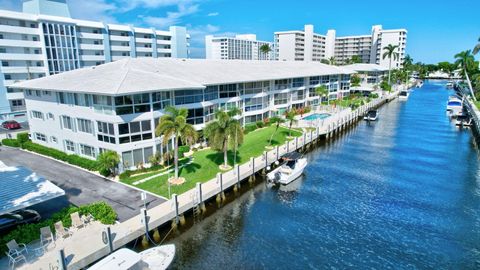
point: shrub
(11, 142)
(182, 150)
(27, 233)
(22, 137)
(259, 124)
(249, 128)
(108, 162)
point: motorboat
(463, 121)
(403, 95)
(371, 115)
(419, 83)
(291, 167)
(155, 258)
(454, 106)
(450, 84)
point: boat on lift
(372, 115)
(291, 167)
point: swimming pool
(316, 116)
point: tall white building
(240, 47)
(43, 40)
(116, 106)
(306, 45)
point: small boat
(454, 106)
(463, 121)
(449, 84)
(403, 95)
(155, 258)
(371, 115)
(291, 168)
(419, 83)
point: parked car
(12, 124)
(10, 220)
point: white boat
(463, 121)
(291, 168)
(454, 106)
(371, 115)
(156, 258)
(419, 83)
(449, 84)
(403, 95)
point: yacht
(403, 95)
(419, 83)
(156, 258)
(454, 106)
(371, 115)
(449, 84)
(463, 121)
(291, 168)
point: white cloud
(172, 18)
(213, 14)
(197, 38)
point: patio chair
(13, 246)
(60, 231)
(77, 222)
(14, 258)
(46, 237)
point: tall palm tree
(174, 124)
(277, 120)
(265, 48)
(322, 91)
(224, 131)
(290, 116)
(390, 52)
(476, 49)
(407, 61)
(465, 61)
(332, 61)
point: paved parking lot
(80, 187)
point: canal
(403, 192)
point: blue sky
(436, 29)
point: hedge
(22, 137)
(27, 233)
(11, 142)
(182, 150)
(249, 128)
(126, 174)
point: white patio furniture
(77, 222)
(46, 237)
(14, 258)
(60, 231)
(14, 247)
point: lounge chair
(60, 231)
(46, 237)
(14, 257)
(14, 247)
(77, 222)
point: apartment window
(5, 63)
(314, 80)
(3, 50)
(195, 116)
(102, 104)
(85, 125)
(37, 115)
(53, 139)
(82, 100)
(137, 156)
(40, 137)
(282, 84)
(135, 131)
(253, 104)
(139, 103)
(67, 122)
(17, 102)
(160, 100)
(1, 36)
(211, 93)
(298, 82)
(87, 150)
(228, 90)
(251, 88)
(188, 96)
(106, 133)
(280, 98)
(50, 116)
(70, 146)
(8, 77)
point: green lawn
(206, 162)
(477, 103)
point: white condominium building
(117, 105)
(43, 40)
(240, 47)
(306, 45)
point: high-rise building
(306, 45)
(240, 47)
(44, 40)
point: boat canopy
(292, 156)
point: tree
(107, 162)
(465, 61)
(355, 80)
(224, 131)
(325, 61)
(322, 91)
(390, 52)
(407, 62)
(332, 61)
(277, 120)
(174, 125)
(265, 48)
(476, 49)
(290, 116)
(356, 59)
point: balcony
(144, 49)
(21, 56)
(92, 57)
(93, 47)
(119, 38)
(19, 30)
(120, 48)
(15, 95)
(90, 35)
(20, 70)
(20, 43)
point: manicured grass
(206, 162)
(477, 103)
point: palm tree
(332, 61)
(465, 61)
(322, 91)
(356, 59)
(390, 52)
(290, 116)
(174, 124)
(278, 121)
(476, 49)
(265, 48)
(407, 61)
(224, 131)
(108, 161)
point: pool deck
(85, 246)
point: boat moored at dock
(404, 95)
(372, 115)
(291, 168)
(454, 106)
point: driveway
(80, 187)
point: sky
(437, 30)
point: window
(82, 100)
(298, 82)
(135, 131)
(160, 100)
(136, 157)
(87, 150)
(195, 116)
(67, 122)
(252, 88)
(106, 132)
(5, 63)
(211, 93)
(188, 96)
(228, 90)
(282, 84)
(102, 104)
(280, 98)
(53, 139)
(17, 102)
(252, 104)
(40, 137)
(37, 115)
(139, 103)
(85, 125)
(314, 80)
(70, 146)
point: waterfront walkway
(86, 246)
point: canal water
(403, 193)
